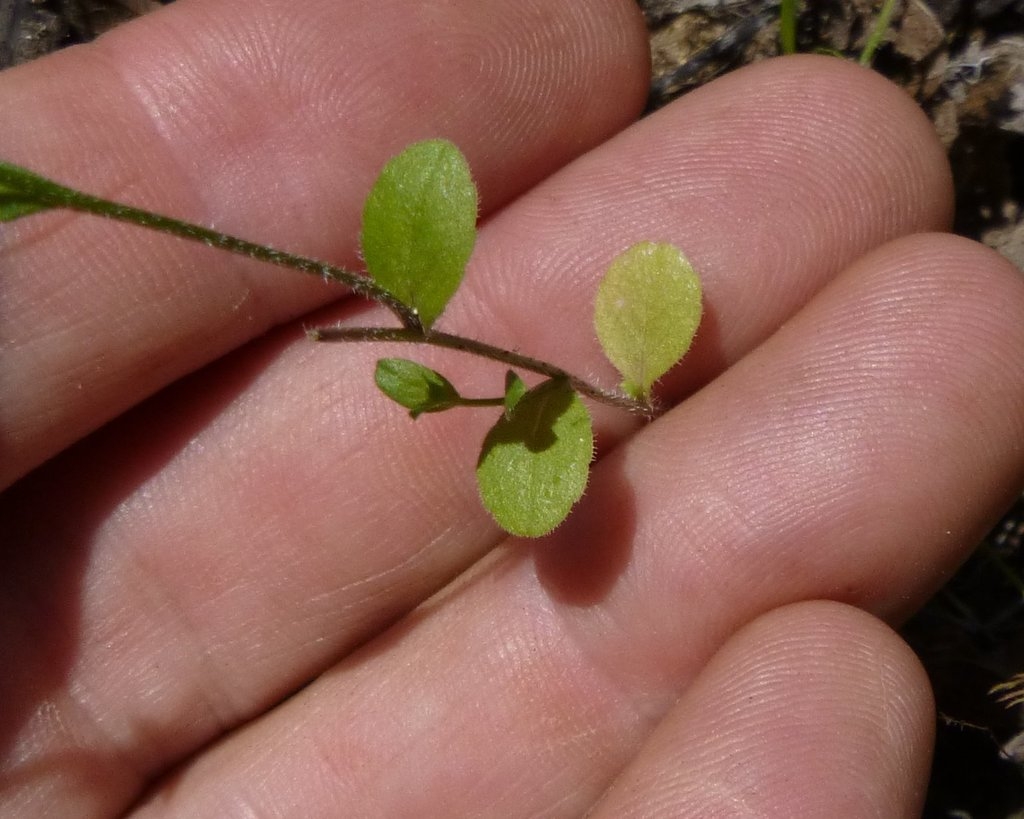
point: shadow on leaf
(533, 465)
(532, 422)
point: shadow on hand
(50, 521)
(581, 561)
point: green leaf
(647, 311)
(417, 388)
(419, 226)
(23, 192)
(515, 389)
(534, 465)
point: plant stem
(877, 32)
(787, 26)
(59, 196)
(479, 348)
(481, 402)
(19, 186)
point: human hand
(264, 591)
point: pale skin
(256, 588)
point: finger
(286, 511)
(269, 123)
(832, 462)
(768, 188)
(812, 710)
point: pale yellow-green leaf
(647, 310)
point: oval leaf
(417, 388)
(419, 226)
(647, 311)
(534, 464)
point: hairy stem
(481, 402)
(479, 348)
(58, 196)
(24, 192)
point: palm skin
(239, 582)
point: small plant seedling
(789, 11)
(419, 229)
